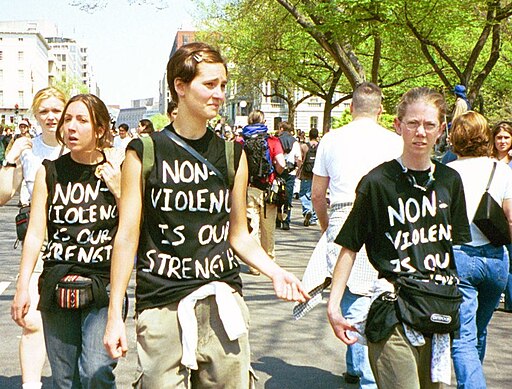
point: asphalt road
(286, 354)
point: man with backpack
(292, 155)
(306, 177)
(264, 158)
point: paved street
(286, 354)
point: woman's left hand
(288, 287)
(112, 176)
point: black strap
(176, 139)
(492, 175)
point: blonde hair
(44, 94)
(427, 95)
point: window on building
(313, 122)
(1, 74)
(21, 56)
(1, 55)
(21, 74)
(20, 39)
(2, 99)
(21, 98)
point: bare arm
(279, 163)
(507, 208)
(31, 247)
(318, 193)
(125, 248)
(286, 285)
(340, 276)
(11, 177)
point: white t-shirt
(346, 154)
(475, 173)
(32, 159)
(294, 155)
(121, 143)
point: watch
(6, 163)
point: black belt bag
(428, 307)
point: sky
(129, 44)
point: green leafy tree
(70, 86)
(159, 121)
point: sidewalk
(286, 354)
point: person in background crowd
(292, 156)
(6, 139)
(261, 215)
(340, 173)
(123, 137)
(21, 164)
(461, 105)
(482, 267)
(306, 177)
(145, 127)
(502, 146)
(187, 272)
(404, 357)
(74, 336)
(172, 110)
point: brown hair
(424, 94)
(285, 126)
(470, 135)
(501, 126)
(183, 64)
(100, 118)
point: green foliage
(70, 86)
(385, 120)
(159, 121)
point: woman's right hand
(114, 339)
(21, 144)
(20, 306)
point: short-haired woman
(192, 322)
(482, 267)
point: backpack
(309, 159)
(258, 154)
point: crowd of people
(197, 198)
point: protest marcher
(265, 159)
(482, 266)
(21, 164)
(502, 146)
(192, 322)
(339, 173)
(145, 127)
(123, 138)
(395, 202)
(308, 152)
(292, 156)
(74, 204)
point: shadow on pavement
(286, 376)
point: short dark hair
(148, 126)
(124, 126)
(286, 126)
(313, 133)
(366, 99)
(183, 63)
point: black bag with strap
(491, 219)
(309, 159)
(428, 307)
